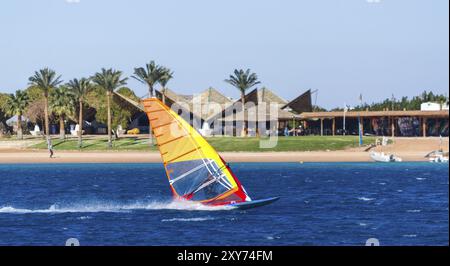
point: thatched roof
(138, 105)
(268, 96)
(202, 105)
(211, 95)
(300, 104)
(210, 104)
(173, 96)
(257, 97)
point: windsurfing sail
(195, 170)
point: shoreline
(23, 157)
(409, 149)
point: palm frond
(62, 101)
(109, 79)
(243, 80)
(45, 79)
(17, 103)
(166, 75)
(152, 74)
(80, 87)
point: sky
(342, 48)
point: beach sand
(409, 149)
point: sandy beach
(409, 149)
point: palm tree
(16, 106)
(80, 88)
(166, 75)
(46, 80)
(149, 75)
(62, 104)
(243, 80)
(109, 80)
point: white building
(430, 106)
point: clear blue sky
(341, 47)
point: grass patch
(97, 144)
(250, 144)
(302, 143)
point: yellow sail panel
(194, 168)
(176, 139)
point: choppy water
(321, 204)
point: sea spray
(89, 207)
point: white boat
(440, 158)
(437, 156)
(385, 158)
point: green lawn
(302, 143)
(123, 144)
(251, 144)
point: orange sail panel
(194, 169)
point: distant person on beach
(50, 147)
(286, 131)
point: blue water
(321, 204)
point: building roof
(302, 103)
(138, 105)
(428, 114)
(257, 96)
(173, 96)
(268, 96)
(211, 95)
(207, 103)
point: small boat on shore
(383, 157)
(437, 157)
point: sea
(321, 204)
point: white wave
(92, 207)
(365, 199)
(72, 209)
(413, 210)
(84, 218)
(185, 205)
(362, 224)
(420, 178)
(409, 235)
(195, 219)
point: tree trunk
(108, 101)
(47, 131)
(244, 126)
(164, 95)
(19, 127)
(62, 132)
(80, 123)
